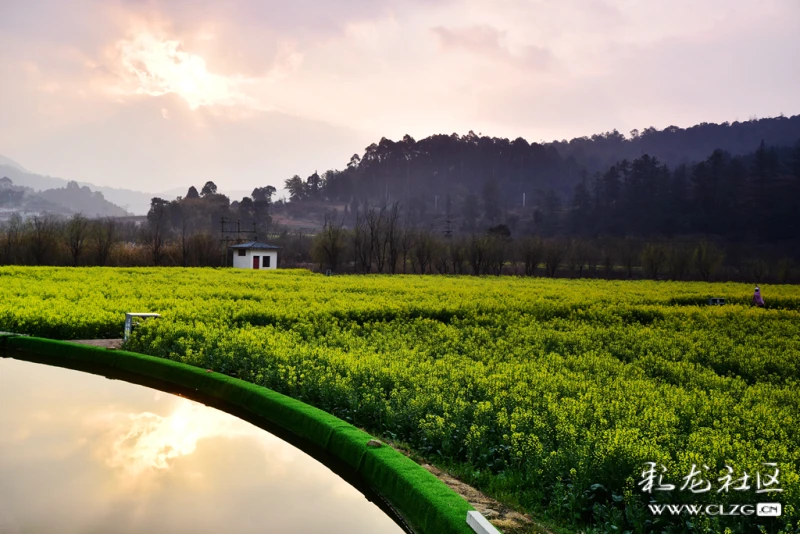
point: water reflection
(80, 453)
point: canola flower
(551, 394)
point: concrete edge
(480, 524)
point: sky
(159, 94)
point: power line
(227, 239)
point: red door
(255, 262)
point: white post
(480, 524)
(129, 321)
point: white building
(255, 255)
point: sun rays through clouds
(151, 63)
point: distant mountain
(81, 199)
(135, 202)
(675, 146)
(11, 163)
(64, 201)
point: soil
(105, 343)
(507, 520)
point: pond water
(80, 453)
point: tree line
(726, 216)
(752, 198)
(385, 240)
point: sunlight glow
(145, 442)
(153, 65)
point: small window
(266, 261)
(242, 252)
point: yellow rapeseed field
(552, 395)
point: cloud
(137, 443)
(488, 41)
(476, 39)
(339, 75)
(153, 64)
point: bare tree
(393, 235)
(155, 232)
(42, 235)
(328, 245)
(757, 269)
(12, 238)
(441, 256)
(185, 222)
(498, 243)
(423, 250)
(477, 252)
(707, 259)
(362, 244)
(531, 251)
(628, 252)
(591, 256)
(784, 269)
(77, 233)
(555, 251)
(583, 255)
(204, 249)
(574, 258)
(654, 256)
(608, 257)
(104, 234)
(458, 256)
(407, 235)
(378, 242)
(679, 259)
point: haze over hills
(419, 171)
(11, 163)
(67, 200)
(557, 165)
(135, 202)
(128, 200)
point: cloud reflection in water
(80, 453)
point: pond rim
(412, 497)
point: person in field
(757, 299)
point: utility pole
(448, 229)
(226, 239)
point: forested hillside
(417, 172)
(741, 182)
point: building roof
(255, 245)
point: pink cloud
(489, 41)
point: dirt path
(504, 518)
(105, 343)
